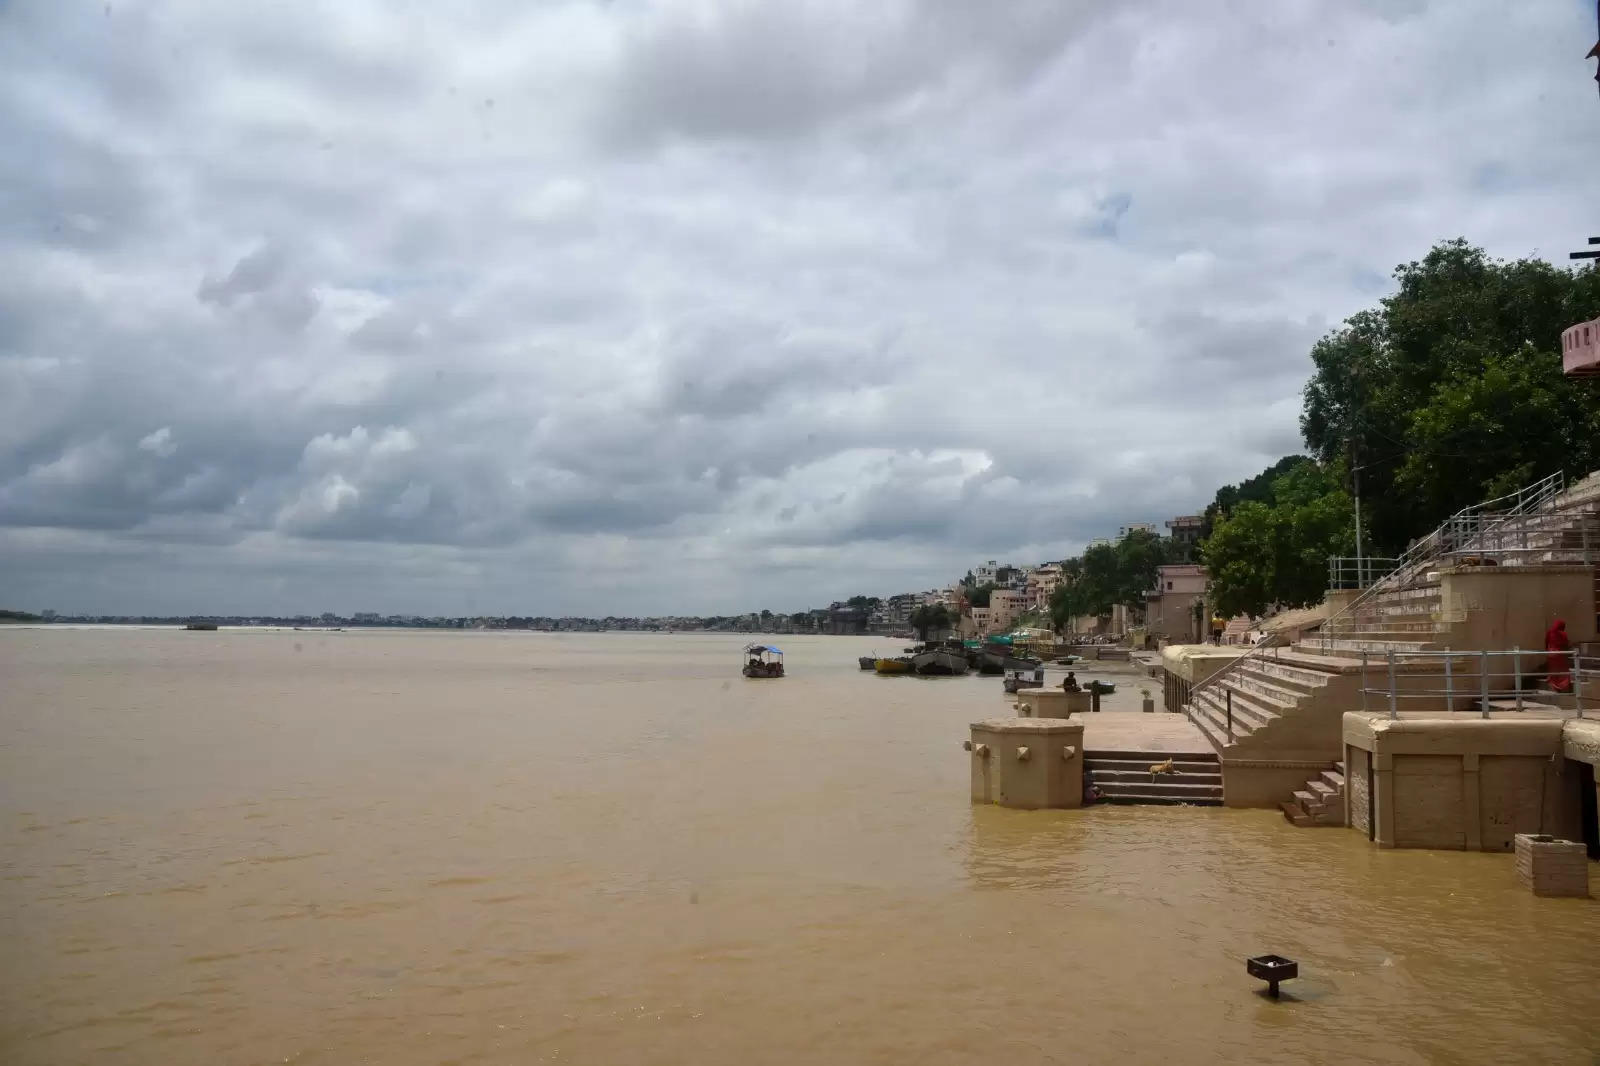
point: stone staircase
(1274, 716)
(1125, 777)
(1321, 802)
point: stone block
(1552, 867)
(1029, 763)
(1047, 703)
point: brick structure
(1552, 867)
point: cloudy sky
(593, 307)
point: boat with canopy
(762, 660)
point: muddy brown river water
(408, 847)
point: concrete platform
(1137, 731)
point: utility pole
(1360, 575)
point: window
(1169, 586)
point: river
(435, 847)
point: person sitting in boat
(1071, 683)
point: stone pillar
(1029, 763)
(1383, 799)
(1044, 703)
(1471, 805)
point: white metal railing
(1353, 572)
(1458, 534)
(1475, 679)
(1411, 563)
(1566, 536)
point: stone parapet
(1458, 783)
(1029, 763)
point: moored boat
(939, 662)
(1012, 684)
(762, 660)
(867, 662)
(900, 665)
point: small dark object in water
(1272, 969)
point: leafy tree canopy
(1451, 390)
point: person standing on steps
(1558, 667)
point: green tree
(930, 617)
(1099, 578)
(979, 595)
(1275, 552)
(1066, 603)
(1138, 555)
(1451, 391)
(1258, 488)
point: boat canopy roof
(763, 648)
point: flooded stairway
(1125, 777)
(1321, 802)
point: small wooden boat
(1102, 687)
(205, 626)
(867, 662)
(940, 662)
(901, 665)
(762, 660)
(1067, 660)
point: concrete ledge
(1459, 782)
(1580, 741)
(1453, 735)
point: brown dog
(1164, 768)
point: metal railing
(1459, 533)
(1413, 562)
(1558, 536)
(1350, 572)
(1482, 680)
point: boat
(1012, 684)
(900, 665)
(1102, 687)
(939, 662)
(205, 626)
(762, 660)
(867, 662)
(991, 665)
(1067, 660)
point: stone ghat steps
(1320, 803)
(1264, 688)
(1125, 777)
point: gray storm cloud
(605, 307)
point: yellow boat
(893, 666)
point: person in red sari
(1558, 667)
